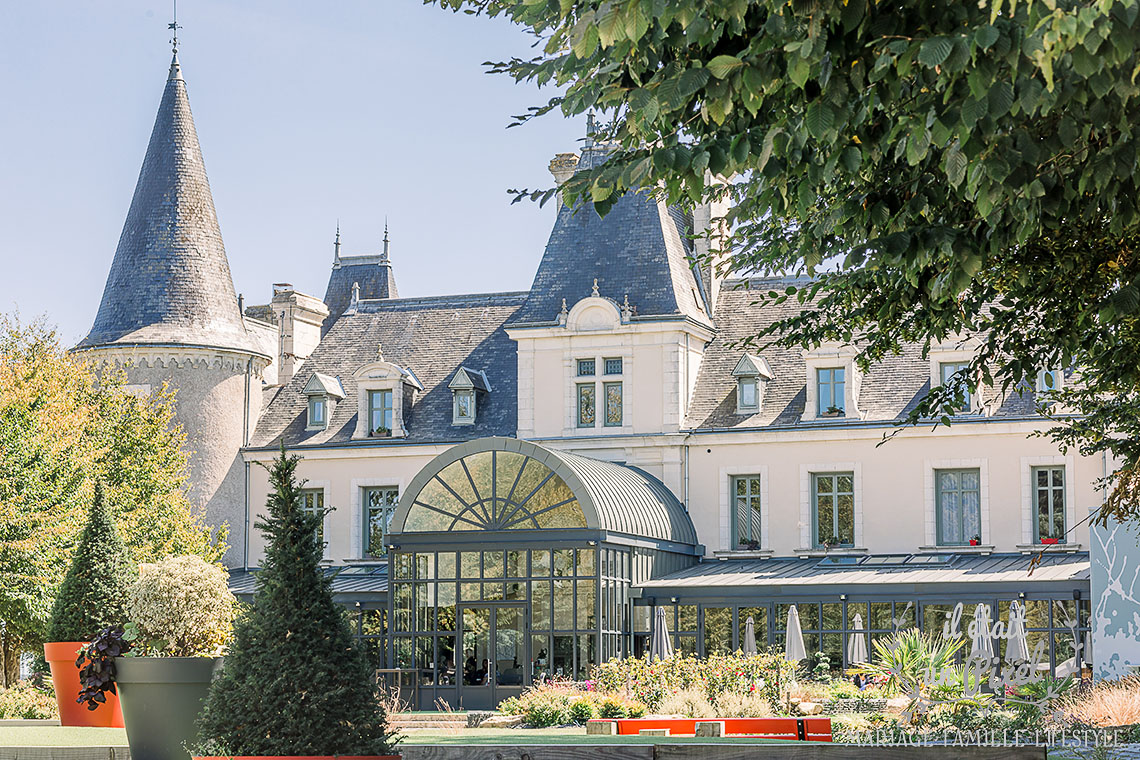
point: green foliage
(908, 660)
(93, 595)
(181, 607)
(939, 168)
(27, 701)
(650, 682)
(559, 704)
(582, 710)
(294, 682)
(62, 428)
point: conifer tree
(94, 591)
(294, 681)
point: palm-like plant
(910, 661)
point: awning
(924, 575)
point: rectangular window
(613, 366)
(317, 406)
(464, 409)
(380, 412)
(613, 404)
(959, 500)
(586, 367)
(586, 406)
(1049, 504)
(833, 504)
(379, 505)
(746, 511)
(313, 500)
(748, 396)
(947, 370)
(832, 383)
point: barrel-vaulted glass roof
(503, 484)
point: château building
(512, 482)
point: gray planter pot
(161, 699)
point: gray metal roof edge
(856, 425)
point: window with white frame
(957, 370)
(380, 412)
(379, 506)
(833, 508)
(958, 505)
(746, 512)
(751, 372)
(318, 412)
(313, 502)
(1048, 505)
(831, 391)
(748, 394)
(463, 407)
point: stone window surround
(324, 487)
(931, 498)
(358, 486)
(1068, 462)
(393, 379)
(806, 472)
(727, 504)
(572, 380)
(827, 357)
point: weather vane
(174, 27)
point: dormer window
(751, 373)
(831, 391)
(1050, 380)
(465, 386)
(323, 392)
(386, 393)
(380, 411)
(833, 383)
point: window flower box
(1050, 540)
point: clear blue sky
(306, 111)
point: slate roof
(372, 273)
(640, 249)
(432, 337)
(887, 393)
(797, 575)
(170, 281)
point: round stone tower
(169, 315)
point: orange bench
(802, 729)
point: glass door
(493, 655)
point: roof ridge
(376, 304)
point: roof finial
(384, 255)
(590, 126)
(336, 246)
(626, 309)
(594, 291)
(174, 27)
(563, 314)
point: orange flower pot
(61, 655)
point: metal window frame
(939, 537)
(593, 368)
(815, 476)
(606, 366)
(735, 507)
(832, 385)
(755, 383)
(959, 366)
(322, 402)
(366, 519)
(605, 404)
(388, 410)
(578, 387)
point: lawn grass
(61, 736)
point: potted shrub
(93, 595)
(833, 542)
(181, 616)
(295, 682)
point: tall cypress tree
(94, 591)
(294, 681)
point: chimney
(562, 166)
(299, 320)
(710, 233)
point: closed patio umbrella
(660, 648)
(749, 636)
(981, 645)
(1017, 645)
(794, 650)
(857, 642)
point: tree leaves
(723, 65)
(935, 50)
(819, 120)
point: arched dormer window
(385, 392)
(751, 373)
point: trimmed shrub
(181, 607)
(295, 682)
(93, 595)
(26, 701)
(612, 708)
(582, 710)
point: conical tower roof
(170, 282)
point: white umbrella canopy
(660, 646)
(794, 650)
(857, 642)
(981, 645)
(1017, 645)
(749, 636)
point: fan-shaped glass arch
(495, 490)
